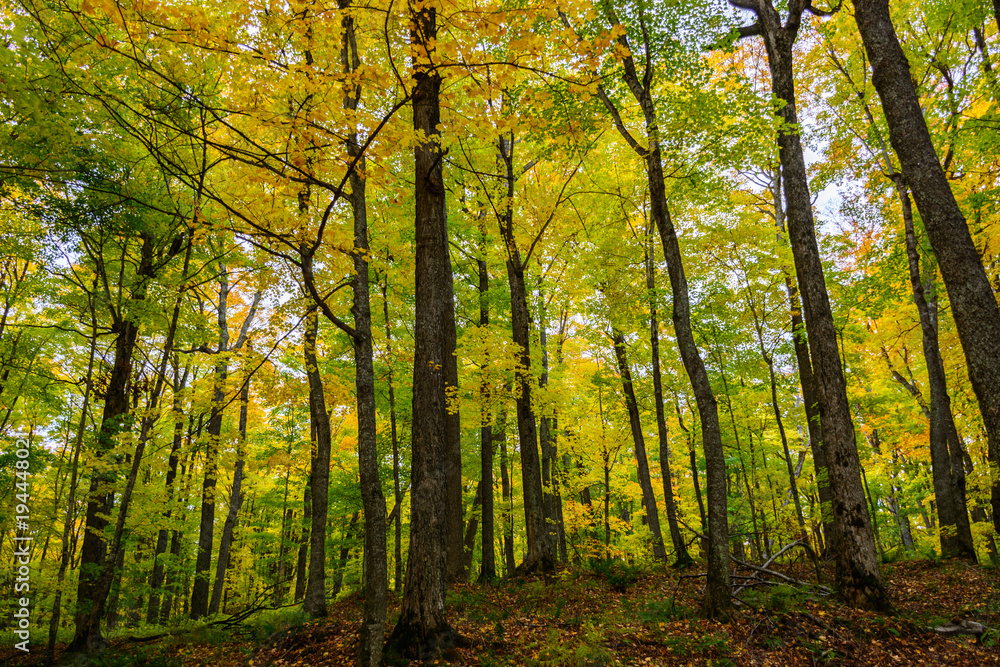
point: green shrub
(619, 574)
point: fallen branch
(962, 627)
(778, 575)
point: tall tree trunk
(235, 501)
(469, 541)
(538, 554)
(639, 441)
(397, 580)
(547, 444)
(947, 466)
(488, 569)
(973, 302)
(800, 344)
(70, 519)
(681, 556)
(206, 530)
(345, 552)
(314, 602)
(163, 536)
(422, 630)
(301, 562)
(717, 602)
(100, 500)
(858, 577)
(500, 434)
(375, 557)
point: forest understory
(612, 613)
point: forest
(499, 332)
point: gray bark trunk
(858, 577)
(314, 602)
(973, 302)
(639, 442)
(423, 630)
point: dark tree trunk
(947, 466)
(858, 577)
(345, 552)
(800, 344)
(397, 522)
(314, 602)
(681, 556)
(973, 302)
(500, 434)
(163, 536)
(235, 501)
(488, 570)
(423, 630)
(206, 531)
(100, 499)
(538, 554)
(472, 527)
(375, 558)
(717, 602)
(639, 442)
(547, 443)
(301, 563)
(70, 518)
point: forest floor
(623, 616)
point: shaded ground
(617, 616)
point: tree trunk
(375, 558)
(163, 536)
(314, 602)
(947, 466)
(858, 577)
(397, 580)
(423, 630)
(488, 569)
(538, 554)
(70, 519)
(681, 556)
(500, 434)
(100, 500)
(235, 500)
(301, 562)
(642, 464)
(973, 302)
(551, 503)
(206, 531)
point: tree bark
(206, 531)
(800, 344)
(858, 577)
(70, 519)
(638, 440)
(423, 630)
(947, 466)
(681, 556)
(100, 500)
(488, 569)
(547, 444)
(375, 558)
(718, 602)
(159, 568)
(397, 580)
(973, 302)
(314, 602)
(500, 435)
(235, 501)
(538, 554)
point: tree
(973, 302)
(423, 629)
(858, 576)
